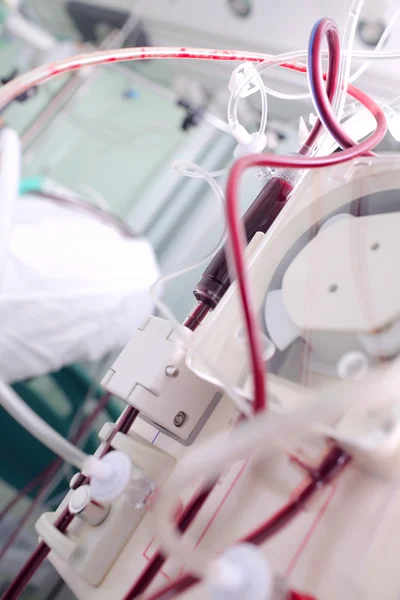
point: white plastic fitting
(109, 476)
(240, 73)
(254, 144)
(241, 573)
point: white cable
(30, 421)
(109, 475)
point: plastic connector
(255, 144)
(109, 476)
(239, 74)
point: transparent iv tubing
(238, 131)
(346, 55)
(378, 47)
(346, 59)
(264, 105)
(235, 95)
(274, 61)
(46, 72)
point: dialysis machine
(258, 454)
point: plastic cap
(79, 500)
(241, 573)
(80, 503)
(106, 485)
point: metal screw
(171, 371)
(180, 418)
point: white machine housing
(334, 548)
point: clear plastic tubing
(378, 47)
(46, 72)
(346, 56)
(340, 98)
(264, 105)
(27, 417)
(269, 62)
(273, 61)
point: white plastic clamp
(239, 74)
(151, 374)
